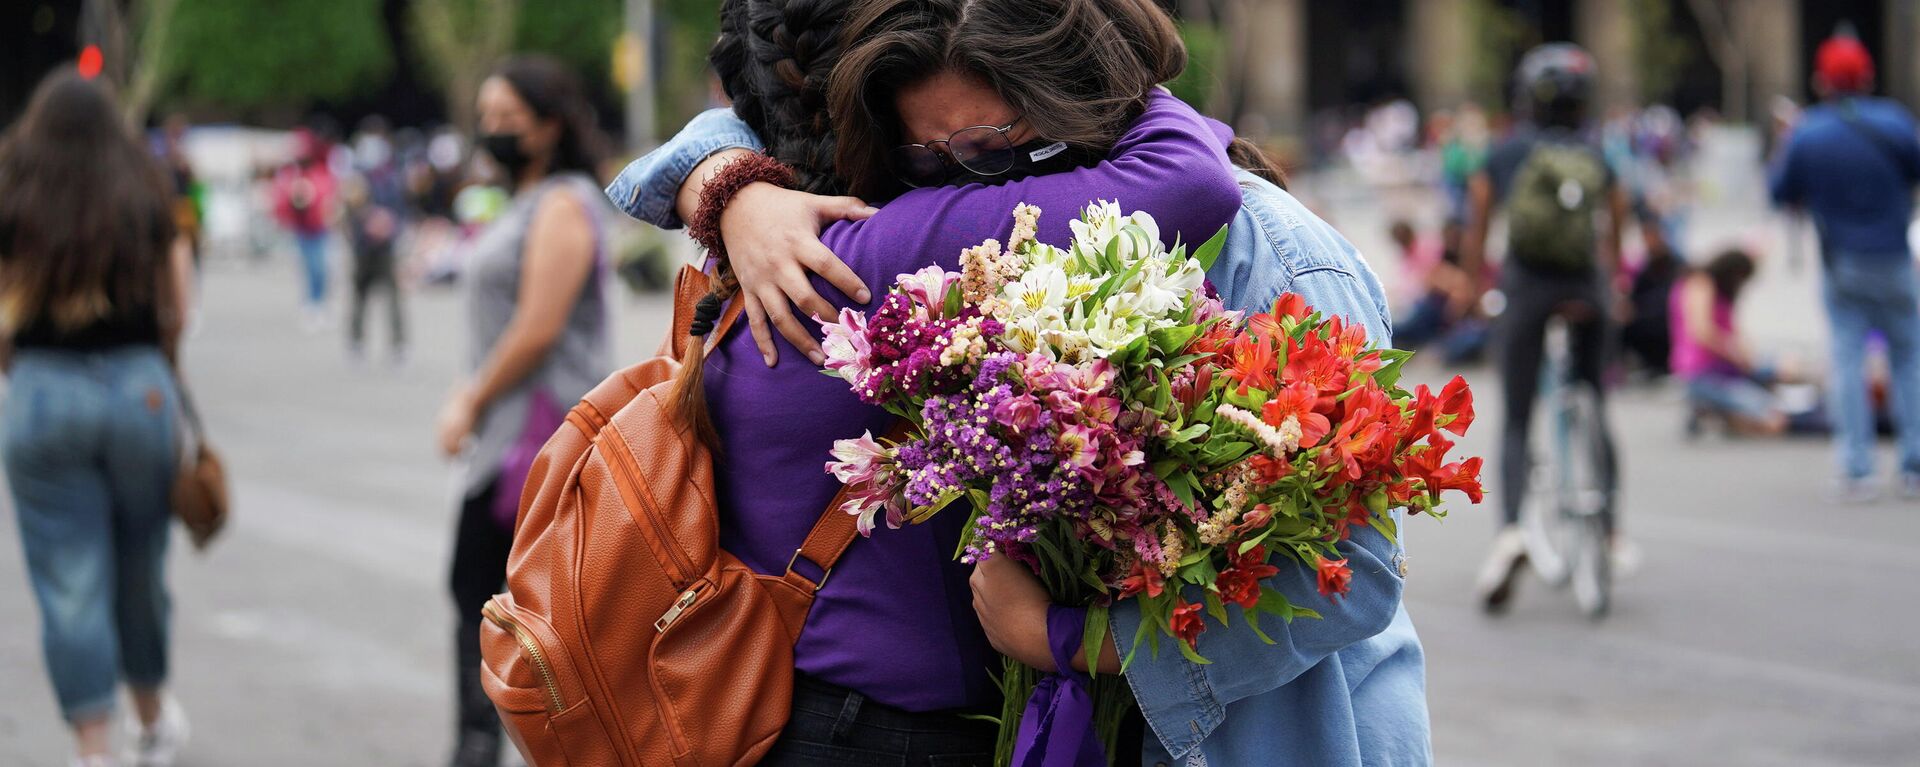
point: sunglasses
(983, 149)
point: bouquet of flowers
(1107, 422)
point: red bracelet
(726, 182)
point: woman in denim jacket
(1348, 689)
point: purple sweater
(895, 621)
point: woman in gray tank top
(538, 319)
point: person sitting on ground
(1722, 378)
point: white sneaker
(1910, 487)
(1501, 572)
(97, 760)
(159, 745)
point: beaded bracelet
(726, 182)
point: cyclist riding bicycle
(1563, 210)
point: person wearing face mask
(538, 320)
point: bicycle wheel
(1582, 495)
(1544, 525)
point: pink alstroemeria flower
(846, 347)
(1019, 413)
(928, 288)
(866, 467)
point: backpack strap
(835, 530)
(829, 539)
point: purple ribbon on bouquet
(1057, 729)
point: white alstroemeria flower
(1165, 287)
(1082, 285)
(1109, 333)
(1144, 220)
(1098, 223)
(1041, 288)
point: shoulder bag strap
(688, 288)
(1880, 141)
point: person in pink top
(303, 193)
(1723, 379)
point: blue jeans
(90, 441)
(313, 258)
(1873, 291)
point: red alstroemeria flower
(1333, 575)
(1144, 579)
(1456, 400)
(1353, 444)
(1240, 583)
(1298, 400)
(1291, 306)
(1186, 622)
(1348, 340)
(1463, 476)
(1265, 325)
(1313, 362)
(1252, 363)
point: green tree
(1501, 35)
(461, 40)
(578, 32)
(247, 55)
(685, 30)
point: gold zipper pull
(679, 606)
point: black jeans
(1533, 298)
(833, 726)
(480, 548)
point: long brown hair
(1079, 71)
(85, 219)
(553, 92)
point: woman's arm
(773, 245)
(558, 259)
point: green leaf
(1095, 636)
(1190, 653)
(954, 301)
(1181, 484)
(1385, 525)
(1209, 251)
(1191, 433)
(1253, 622)
(1114, 283)
(1216, 608)
(1248, 544)
(924, 513)
(1173, 339)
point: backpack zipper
(532, 649)
(629, 470)
(686, 600)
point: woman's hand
(455, 424)
(1012, 606)
(773, 241)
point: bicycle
(1563, 518)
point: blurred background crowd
(326, 170)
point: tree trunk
(1726, 46)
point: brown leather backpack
(626, 635)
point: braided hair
(774, 58)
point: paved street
(1766, 626)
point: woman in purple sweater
(892, 635)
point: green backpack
(1551, 207)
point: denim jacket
(1347, 689)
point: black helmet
(1554, 83)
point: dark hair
(1079, 71)
(1729, 271)
(554, 93)
(86, 224)
(774, 59)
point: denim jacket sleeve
(1275, 246)
(646, 189)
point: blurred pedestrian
(303, 193)
(1852, 162)
(539, 320)
(1647, 332)
(1556, 190)
(92, 289)
(375, 207)
(1724, 379)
